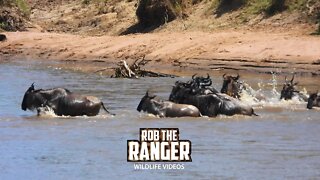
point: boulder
(3, 37)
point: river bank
(229, 50)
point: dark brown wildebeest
(234, 88)
(313, 101)
(289, 90)
(231, 86)
(62, 102)
(152, 104)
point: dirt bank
(177, 52)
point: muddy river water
(282, 143)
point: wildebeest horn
(224, 75)
(285, 79)
(209, 84)
(208, 76)
(193, 76)
(31, 88)
(147, 93)
(238, 76)
(206, 83)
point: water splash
(274, 84)
(48, 112)
(270, 98)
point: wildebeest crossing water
(282, 139)
(62, 101)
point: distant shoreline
(172, 52)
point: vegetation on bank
(22, 5)
(151, 14)
(13, 14)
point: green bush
(85, 2)
(225, 6)
(22, 5)
(3, 25)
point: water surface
(283, 142)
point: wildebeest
(234, 88)
(3, 37)
(61, 101)
(210, 104)
(313, 101)
(231, 86)
(152, 104)
(202, 83)
(289, 90)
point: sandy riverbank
(172, 52)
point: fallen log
(135, 70)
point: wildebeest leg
(38, 111)
(107, 109)
(253, 113)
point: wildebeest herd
(196, 97)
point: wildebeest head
(231, 86)
(145, 102)
(201, 82)
(28, 99)
(179, 91)
(313, 98)
(288, 89)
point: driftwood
(135, 70)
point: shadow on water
(281, 143)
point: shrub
(22, 5)
(275, 7)
(225, 6)
(155, 13)
(13, 14)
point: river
(282, 143)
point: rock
(3, 37)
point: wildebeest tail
(107, 109)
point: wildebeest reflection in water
(62, 102)
(154, 105)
